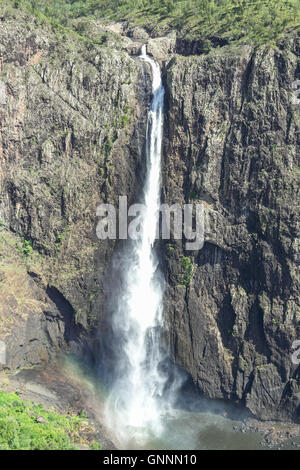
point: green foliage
(188, 268)
(171, 248)
(123, 121)
(25, 248)
(26, 76)
(96, 446)
(20, 430)
(194, 195)
(61, 238)
(108, 145)
(81, 27)
(255, 21)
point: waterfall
(133, 406)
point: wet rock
(41, 420)
(137, 33)
(160, 48)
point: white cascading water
(132, 409)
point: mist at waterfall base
(144, 407)
(193, 423)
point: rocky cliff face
(72, 125)
(232, 143)
(73, 117)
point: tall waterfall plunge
(133, 406)
(149, 405)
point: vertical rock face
(232, 143)
(72, 124)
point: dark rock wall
(72, 130)
(232, 143)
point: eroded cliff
(72, 126)
(232, 143)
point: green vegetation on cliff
(27, 426)
(188, 269)
(255, 21)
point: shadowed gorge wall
(232, 143)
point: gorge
(74, 119)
